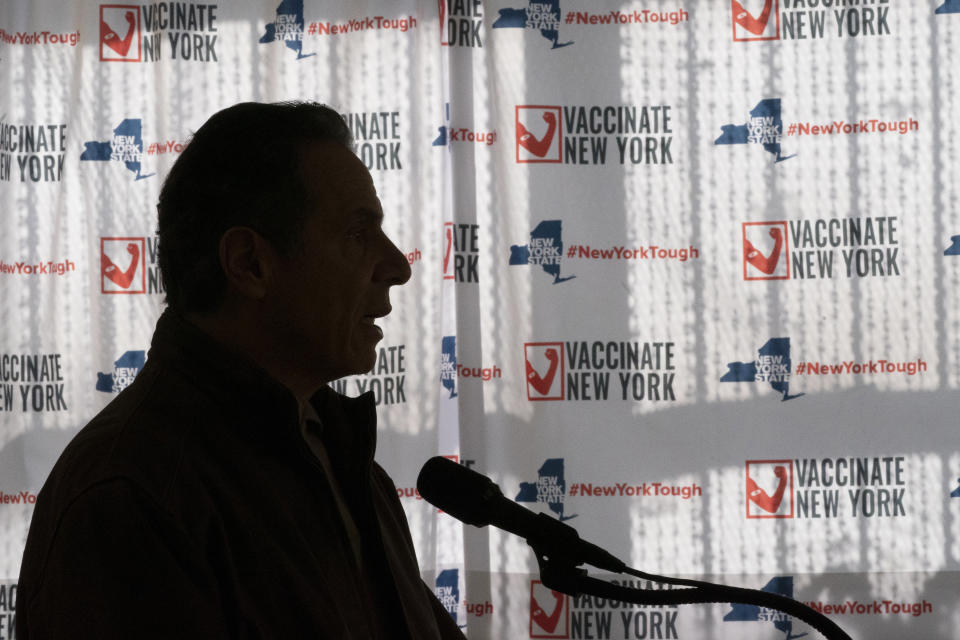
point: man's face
(324, 299)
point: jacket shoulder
(141, 435)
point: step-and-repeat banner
(685, 276)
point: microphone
(475, 499)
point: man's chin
(364, 363)
(360, 361)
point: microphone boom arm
(560, 579)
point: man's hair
(241, 168)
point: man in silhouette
(228, 492)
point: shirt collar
(309, 414)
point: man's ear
(247, 260)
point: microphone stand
(560, 572)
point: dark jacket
(191, 507)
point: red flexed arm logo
(766, 264)
(759, 497)
(110, 37)
(530, 142)
(745, 19)
(113, 272)
(547, 622)
(543, 383)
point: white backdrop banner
(685, 276)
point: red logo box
(545, 370)
(120, 38)
(766, 250)
(549, 612)
(539, 135)
(448, 251)
(769, 488)
(754, 20)
(443, 23)
(122, 265)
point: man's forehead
(337, 180)
(331, 169)
(330, 155)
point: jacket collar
(240, 386)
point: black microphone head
(475, 499)
(464, 494)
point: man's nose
(394, 268)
